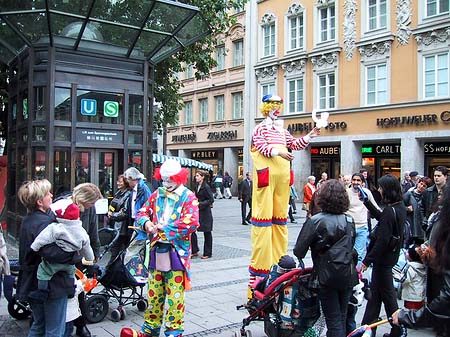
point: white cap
(170, 168)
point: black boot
(83, 331)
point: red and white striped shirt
(266, 138)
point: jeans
(69, 329)
(334, 304)
(49, 318)
(361, 240)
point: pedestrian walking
(227, 182)
(205, 203)
(245, 197)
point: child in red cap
(69, 235)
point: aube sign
(89, 108)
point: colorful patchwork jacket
(183, 221)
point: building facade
(380, 68)
(211, 126)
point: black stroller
(288, 307)
(114, 281)
(17, 309)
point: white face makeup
(274, 113)
(169, 184)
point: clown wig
(270, 103)
(178, 175)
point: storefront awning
(186, 162)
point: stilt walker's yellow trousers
(269, 233)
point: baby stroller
(287, 306)
(114, 281)
(17, 309)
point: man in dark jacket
(245, 197)
(432, 194)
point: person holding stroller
(331, 235)
(49, 317)
(118, 217)
(169, 216)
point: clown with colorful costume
(169, 216)
(272, 178)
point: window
(327, 91)
(135, 110)
(238, 53)
(203, 110)
(295, 95)
(327, 23)
(237, 105)
(220, 58)
(219, 108)
(63, 104)
(269, 39)
(268, 88)
(436, 7)
(188, 112)
(189, 71)
(376, 84)
(296, 31)
(377, 14)
(436, 75)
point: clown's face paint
(169, 184)
(274, 113)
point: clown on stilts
(272, 178)
(169, 217)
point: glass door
(98, 167)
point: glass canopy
(139, 29)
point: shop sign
(186, 138)
(326, 151)
(222, 135)
(380, 149)
(306, 127)
(437, 148)
(99, 136)
(426, 119)
(204, 154)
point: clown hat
(172, 169)
(272, 98)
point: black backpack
(336, 269)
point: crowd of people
(412, 216)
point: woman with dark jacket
(119, 217)
(383, 250)
(49, 316)
(437, 255)
(206, 199)
(331, 235)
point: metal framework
(138, 29)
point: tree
(166, 89)
(199, 54)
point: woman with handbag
(205, 198)
(331, 234)
(383, 251)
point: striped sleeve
(296, 143)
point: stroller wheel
(96, 308)
(142, 304)
(18, 310)
(123, 313)
(246, 333)
(115, 315)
